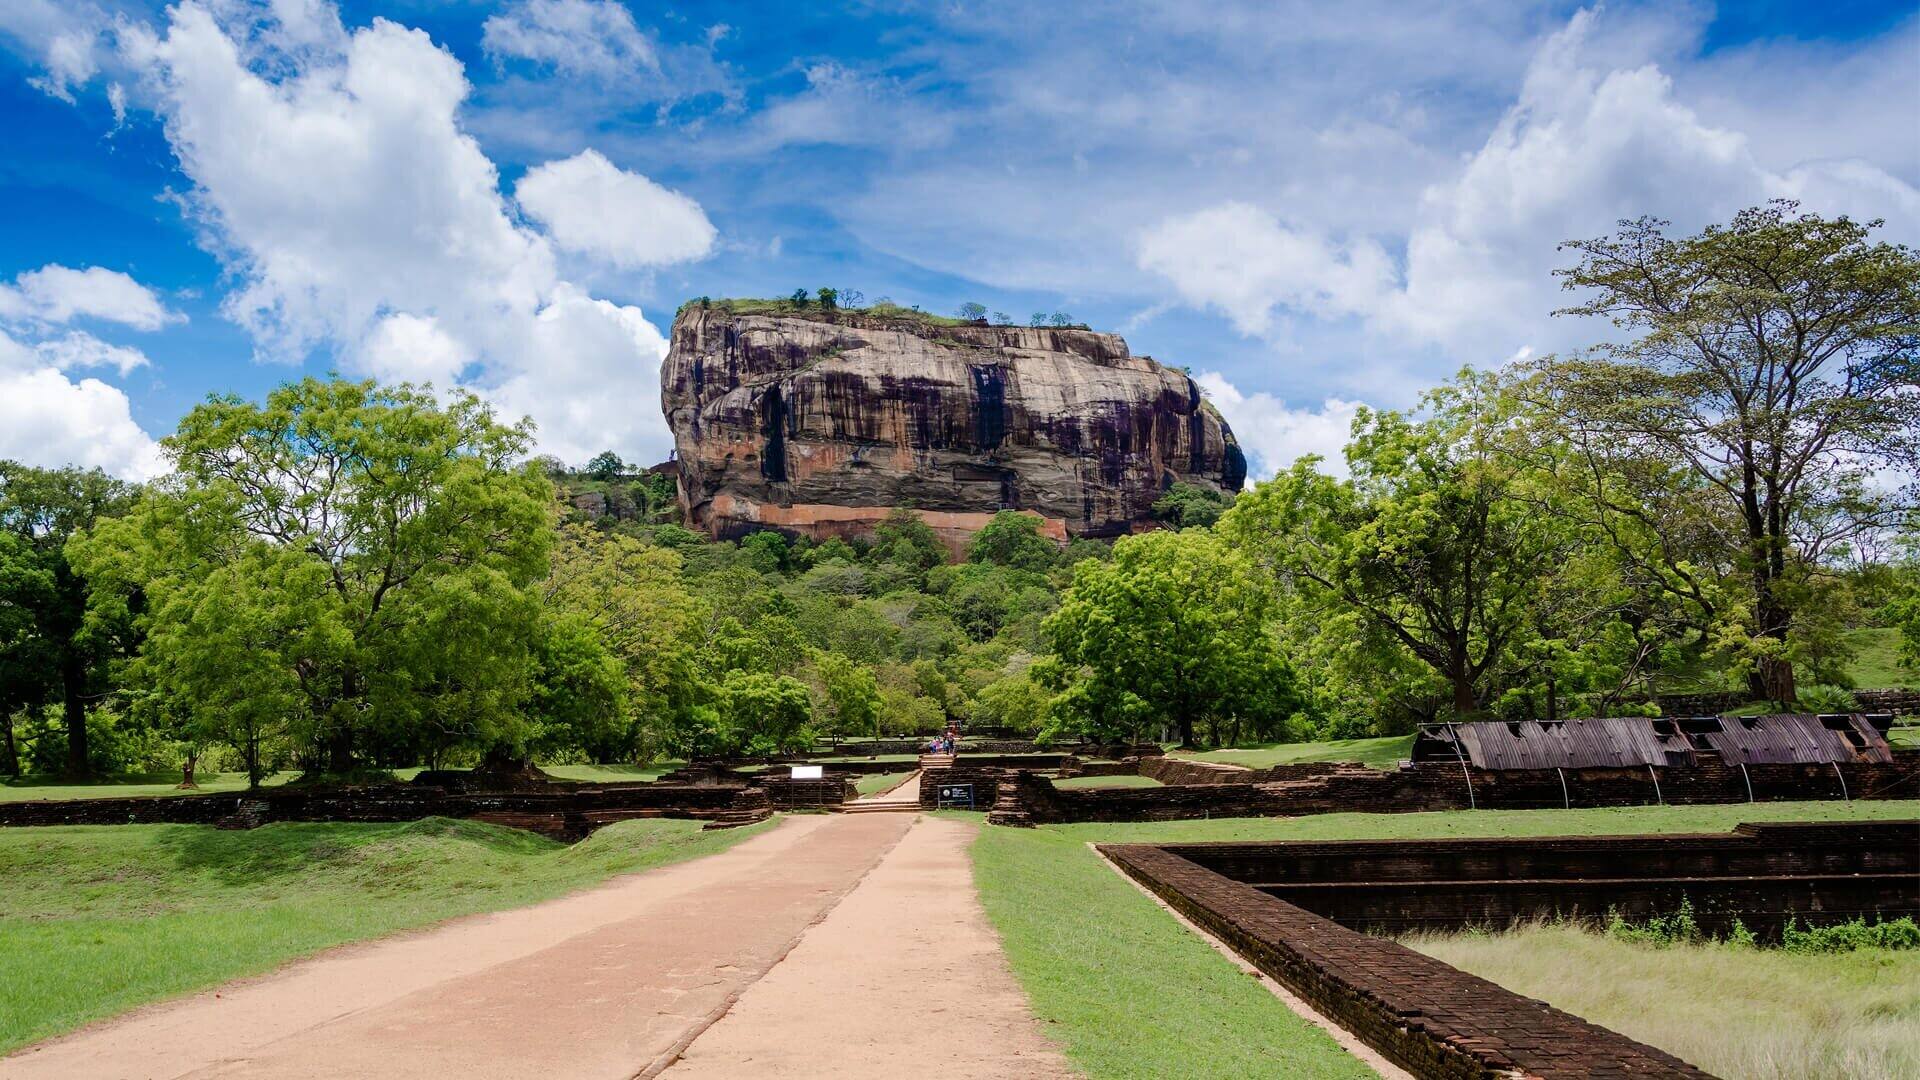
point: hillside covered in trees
(347, 576)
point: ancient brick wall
(1428, 1017)
(1169, 770)
(562, 811)
(1437, 785)
(1898, 702)
(1761, 874)
(831, 790)
(986, 783)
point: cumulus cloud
(49, 419)
(361, 218)
(1244, 261)
(595, 38)
(65, 38)
(1584, 144)
(591, 206)
(58, 294)
(1273, 434)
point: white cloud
(59, 294)
(360, 217)
(64, 37)
(1274, 435)
(1583, 145)
(1244, 261)
(595, 38)
(589, 205)
(79, 349)
(413, 348)
(48, 419)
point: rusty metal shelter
(1639, 741)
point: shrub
(1900, 933)
(1827, 698)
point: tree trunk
(340, 751)
(1185, 724)
(9, 753)
(73, 687)
(1772, 680)
(187, 766)
(1464, 699)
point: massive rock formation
(820, 423)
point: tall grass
(1734, 1010)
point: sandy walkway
(904, 978)
(601, 983)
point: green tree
(1772, 373)
(972, 312)
(606, 465)
(829, 298)
(766, 714)
(905, 540)
(54, 651)
(1173, 630)
(1431, 547)
(852, 696)
(1185, 505)
(1012, 538)
(385, 547)
(799, 298)
(640, 612)
(1015, 703)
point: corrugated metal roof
(1794, 738)
(1607, 742)
(1634, 741)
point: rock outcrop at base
(821, 422)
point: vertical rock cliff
(820, 422)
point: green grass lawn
(97, 919)
(1381, 753)
(1130, 993)
(1741, 1013)
(1878, 662)
(20, 789)
(610, 774)
(113, 787)
(875, 783)
(1106, 782)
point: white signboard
(806, 772)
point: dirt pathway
(599, 984)
(904, 978)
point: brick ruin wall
(1899, 702)
(562, 813)
(1426, 1016)
(1285, 790)
(1761, 874)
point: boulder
(821, 422)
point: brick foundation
(1198, 790)
(1426, 1016)
(562, 812)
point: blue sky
(1310, 206)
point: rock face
(820, 424)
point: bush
(1900, 933)
(1827, 698)
(1659, 931)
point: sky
(1310, 206)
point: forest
(344, 578)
